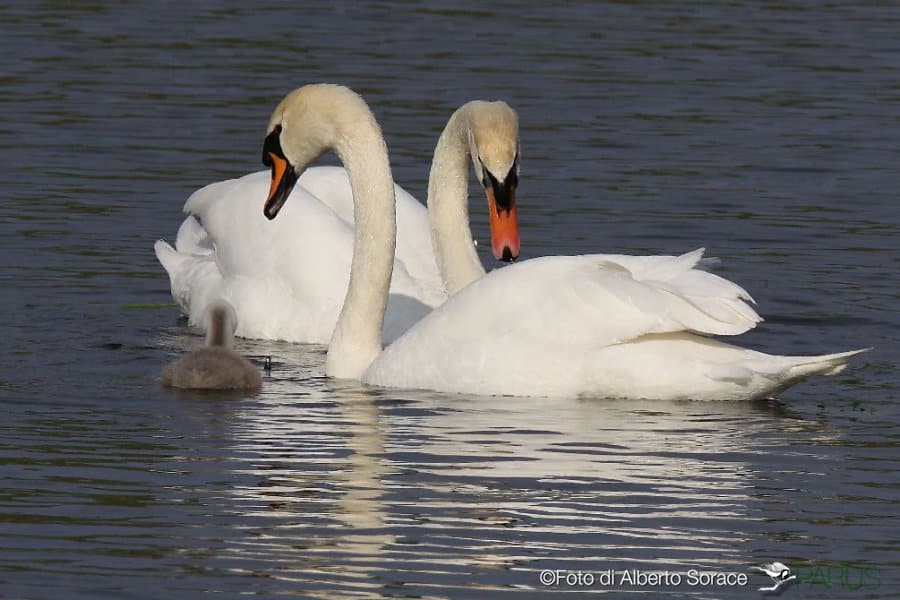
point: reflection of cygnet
(217, 366)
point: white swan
(559, 325)
(216, 366)
(287, 279)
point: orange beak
(284, 177)
(279, 166)
(504, 226)
(283, 180)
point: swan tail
(168, 257)
(767, 376)
(175, 264)
(789, 370)
(824, 364)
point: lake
(765, 132)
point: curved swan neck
(357, 335)
(448, 205)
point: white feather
(287, 278)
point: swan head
(305, 124)
(494, 147)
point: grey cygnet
(216, 366)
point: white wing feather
(287, 278)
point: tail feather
(825, 364)
(168, 257)
(174, 264)
(194, 279)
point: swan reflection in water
(359, 483)
(320, 465)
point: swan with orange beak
(502, 204)
(587, 325)
(489, 132)
(284, 176)
(485, 132)
(286, 278)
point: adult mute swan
(217, 366)
(559, 325)
(287, 278)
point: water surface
(765, 132)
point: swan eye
(272, 145)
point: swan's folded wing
(317, 221)
(306, 250)
(331, 186)
(286, 278)
(192, 238)
(546, 315)
(715, 305)
(591, 301)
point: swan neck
(448, 206)
(357, 335)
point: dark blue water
(766, 132)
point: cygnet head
(494, 148)
(306, 123)
(221, 323)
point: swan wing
(286, 278)
(331, 186)
(602, 325)
(703, 302)
(604, 299)
(552, 315)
